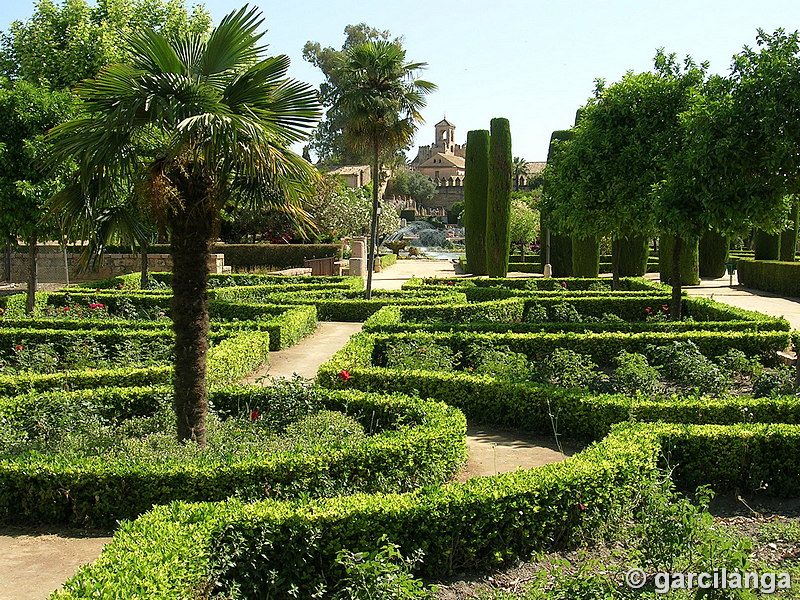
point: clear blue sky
(530, 61)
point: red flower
(648, 310)
(582, 506)
(2, 310)
(17, 348)
(344, 374)
(564, 284)
(664, 307)
(254, 415)
(66, 308)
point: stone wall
(51, 266)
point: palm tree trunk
(374, 221)
(33, 274)
(191, 240)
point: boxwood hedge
(413, 443)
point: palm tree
(193, 122)
(519, 168)
(381, 100)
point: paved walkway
(742, 297)
(305, 357)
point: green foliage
(713, 254)
(414, 184)
(524, 224)
(567, 368)
(119, 438)
(634, 375)
(340, 211)
(773, 382)
(585, 256)
(770, 276)
(476, 181)
(420, 353)
(59, 45)
(383, 573)
(498, 198)
(683, 362)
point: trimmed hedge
(602, 348)
(535, 407)
(421, 442)
(341, 305)
(393, 319)
(275, 549)
(227, 362)
(274, 255)
(771, 276)
(268, 549)
(386, 260)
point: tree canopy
(61, 44)
(405, 182)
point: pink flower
(344, 374)
(564, 284)
(648, 310)
(161, 313)
(664, 307)
(66, 308)
(254, 415)
(17, 348)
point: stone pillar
(358, 266)
(358, 247)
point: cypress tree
(476, 178)
(633, 252)
(713, 254)
(585, 256)
(767, 246)
(689, 258)
(498, 214)
(789, 236)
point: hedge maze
(267, 514)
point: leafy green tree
(27, 112)
(381, 99)
(62, 44)
(411, 183)
(328, 140)
(339, 211)
(524, 225)
(194, 121)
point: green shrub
(773, 382)
(420, 353)
(634, 375)
(569, 369)
(683, 362)
(412, 443)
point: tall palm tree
(193, 122)
(381, 99)
(519, 168)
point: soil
(494, 450)
(35, 562)
(771, 524)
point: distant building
(355, 176)
(444, 159)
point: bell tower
(445, 137)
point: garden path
(33, 563)
(747, 298)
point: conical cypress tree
(633, 253)
(713, 254)
(498, 214)
(476, 178)
(789, 236)
(767, 246)
(585, 256)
